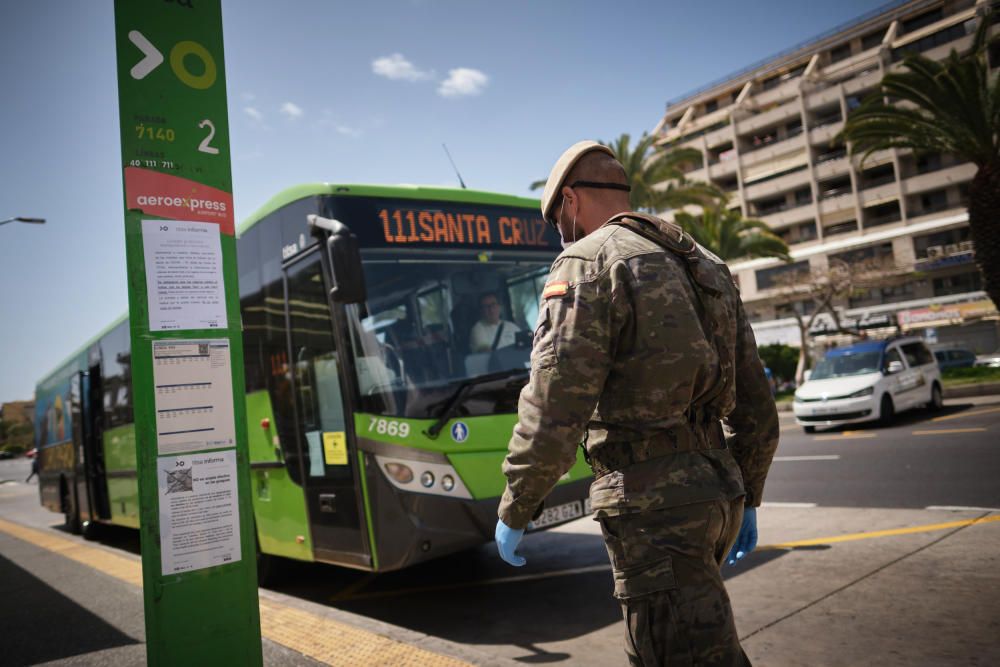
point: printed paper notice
(193, 386)
(199, 514)
(184, 284)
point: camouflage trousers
(666, 573)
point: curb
(968, 390)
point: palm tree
(950, 106)
(657, 177)
(729, 235)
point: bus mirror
(345, 259)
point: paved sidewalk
(71, 603)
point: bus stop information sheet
(193, 394)
(184, 281)
(199, 516)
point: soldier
(643, 354)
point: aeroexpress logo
(175, 198)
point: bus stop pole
(196, 518)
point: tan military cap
(564, 165)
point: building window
(959, 284)
(803, 196)
(937, 39)
(883, 214)
(779, 276)
(841, 228)
(842, 52)
(878, 176)
(921, 21)
(873, 254)
(931, 202)
(711, 106)
(872, 39)
(835, 187)
(928, 163)
(950, 241)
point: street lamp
(36, 221)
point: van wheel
(71, 517)
(886, 411)
(809, 429)
(937, 399)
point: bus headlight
(423, 475)
(400, 472)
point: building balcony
(824, 134)
(759, 154)
(784, 91)
(778, 115)
(867, 81)
(836, 200)
(934, 180)
(773, 186)
(789, 216)
(879, 194)
(718, 137)
(723, 168)
(918, 214)
(823, 96)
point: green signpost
(198, 545)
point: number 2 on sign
(203, 146)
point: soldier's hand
(507, 541)
(746, 541)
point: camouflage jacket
(619, 356)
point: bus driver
(491, 332)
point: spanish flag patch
(558, 288)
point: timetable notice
(194, 395)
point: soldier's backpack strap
(673, 239)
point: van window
(890, 356)
(917, 354)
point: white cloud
(396, 67)
(462, 82)
(348, 131)
(253, 113)
(291, 109)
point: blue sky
(339, 92)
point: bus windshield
(434, 321)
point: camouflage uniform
(639, 352)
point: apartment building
(768, 135)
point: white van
(868, 381)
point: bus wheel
(91, 530)
(268, 567)
(71, 517)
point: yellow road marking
(966, 414)
(942, 431)
(851, 537)
(320, 638)
(859, 435)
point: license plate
(558, 514)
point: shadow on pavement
(41, 624)
(473, 598)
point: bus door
(93, 450)
(327, 457)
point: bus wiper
(463, 390)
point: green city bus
(377, 425)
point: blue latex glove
(507, 541)
(746, 541)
